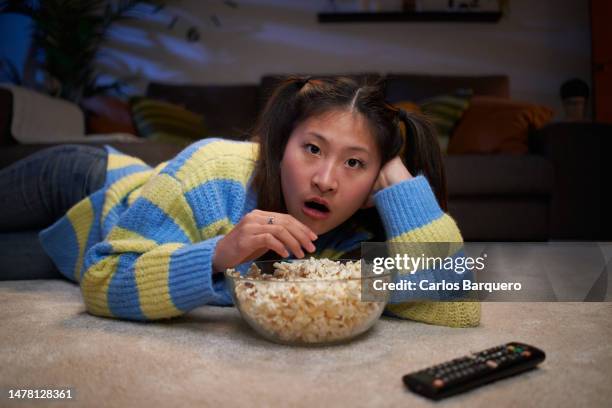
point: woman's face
(329, 167)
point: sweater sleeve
(410, 213)
(155, 263)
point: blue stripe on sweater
(152, 223)
(113, 216)
(123, 299)
(417, 200)
(353, 242)
(250, 202)
(190, 278)
(111, 150)
(65, 256)
(95, 236)
(97, 253)
(216, 199)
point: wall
(15, 43)
(539, 44)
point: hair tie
(403, 115)
(304, 80)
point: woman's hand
(254, 235)
(391, 173)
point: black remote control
(465, 373)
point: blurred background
(520, 91)
(539, 45)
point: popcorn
(306, 301)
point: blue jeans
(34, 193)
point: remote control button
(438, 383)
(511, 348)
(491, 364)
(526, 353)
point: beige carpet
(210, 358)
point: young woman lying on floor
(326, 174)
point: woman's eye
(354, 163)
(310, 148)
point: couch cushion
(486, 218)
(413, 87)
(497, 125)
(229, 110)
(505, 175)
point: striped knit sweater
(141, 247)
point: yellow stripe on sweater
(94, 285)
(134, 195)
(151, 273)
(219, 227)
(330, 254)
(418, 241)
(117, 161)
(442, 229)
(81, 217)
(158, 169)
(218, 160)
(119, 189)
(123, 240)
(172, 202)
(452, 314)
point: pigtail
(422, 153)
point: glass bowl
(306, 311)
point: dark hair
(574, 87)
(298, 98)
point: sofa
(492, 197)
(553, 192)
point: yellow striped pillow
(164, 121)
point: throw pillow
(40, 118)
(445, 112)
(107, 114)
(497, 125)
(164, 121)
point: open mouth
(317, 206)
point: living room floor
(210, 357)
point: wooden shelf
(412, 16)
